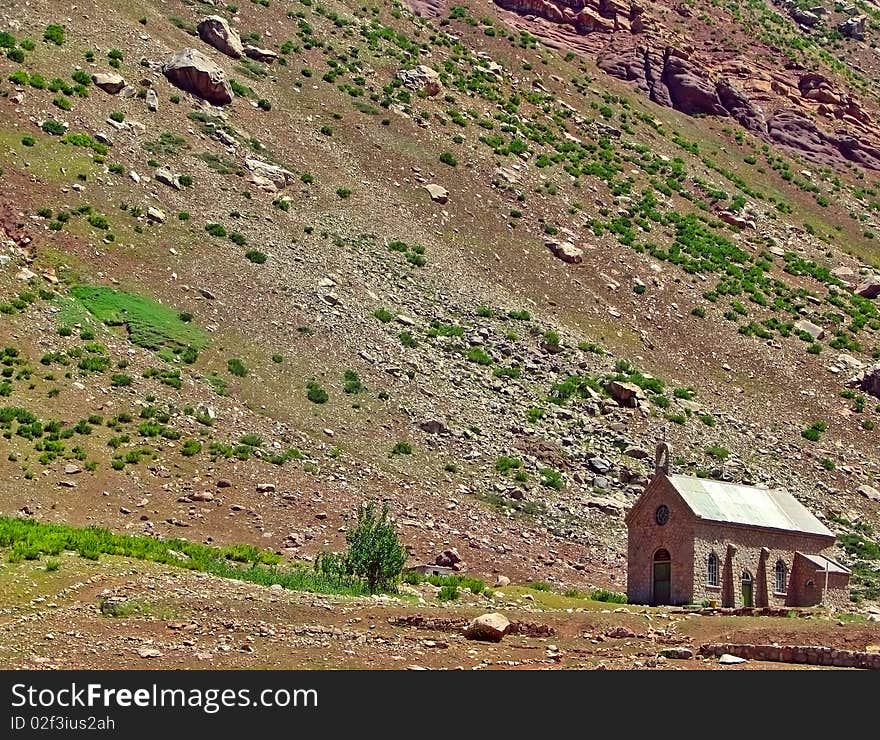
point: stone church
(694, 540)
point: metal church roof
(758, 507)
(823, 563)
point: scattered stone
(278, 176)
(156, 215)
(152, 100)
(202, 496)
(72, 469)
(728, 659)
(265, 488)
(67, 484)
(148, 653)
(488, 627)
(869, 492)
(677, 653)
(501, 581)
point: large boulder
(278, 176)
(625, 394)
(192, 71)
(488, 627)
(814, 330)
(438, 193)
(215, 31)
(566, 251)
(853, 28)
(266, 56)
(870, 288)
(422, 78)
(109, 82)
(868, 381)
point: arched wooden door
(747, 589)
(662, 577)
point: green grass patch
(148, 324)
(31, 540)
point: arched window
(712, 570)
(781, 577)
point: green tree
(374, 550)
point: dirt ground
(176, 619)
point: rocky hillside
(263, 261)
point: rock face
(488, 627)
(584, 16)
(422, 78)
(566, 251)
(690, 90)
(793, 130)
(192, 71)
(215, 31)
(109, 82)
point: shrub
(551, 478)
(402, 448)
(479, 356)
(448, 158)
(191, 447)
(448, 592)
(217, 230)
(383, 314)
(611, 597)
(343, 192)
(51, 126)
(277, 358)
(54, 33)
(814, 432)
(255, 256)
(315, 393)
(352, 382)
(27, 141)
(236, 367)
(264, 104)
(375, 553)
(717, 451)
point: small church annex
(694, 540)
